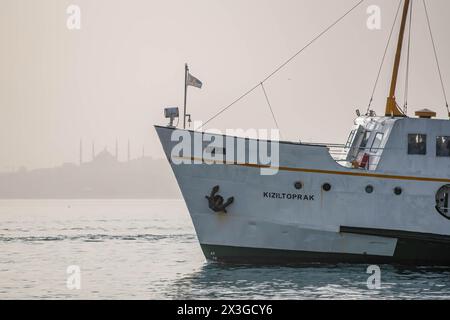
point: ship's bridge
(365, 144)
(401, 145)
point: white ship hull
(270, 221)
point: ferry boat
(383, 198)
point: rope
(270, 107)
(284, 63)
(384, 58)
(436, 57)
(405, 108)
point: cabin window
(365, 140)
(350, 139)
(377, 142)
(417, 144)
(442, 146)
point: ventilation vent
(426, 114)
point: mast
(391, 105)
(186, 72)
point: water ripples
(99, 237)
(148, 250)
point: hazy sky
(113, 77)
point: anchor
(216, 201)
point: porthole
(326, 187)
(298, 185)
(398, 191)
(369, 189)
(442, 201)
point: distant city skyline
(88, 150)
(122, 154)
(102, 177)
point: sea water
(147, 249)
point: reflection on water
(147, 249)
(311, 282)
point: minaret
(129, 156)
(143, 152)
(93, 150)
(81, 152)
(117, 150)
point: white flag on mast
(193, 81)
